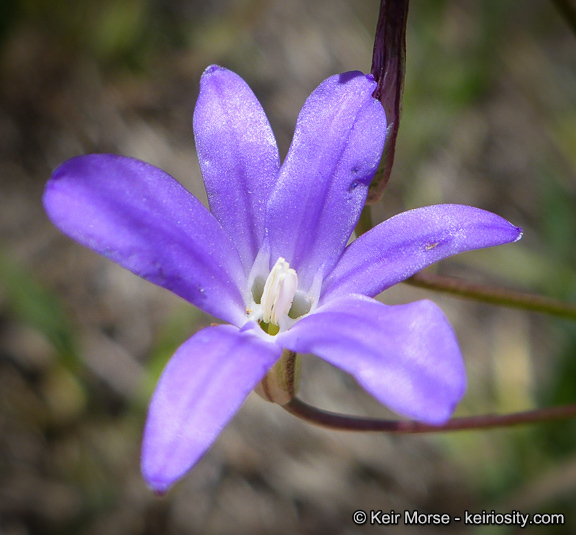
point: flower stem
(493, 295)
(280, 384)
(344, 422)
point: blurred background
(489, 120)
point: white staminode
(278, 292)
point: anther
(279, 291)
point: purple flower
(270, 258)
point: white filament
(279, 291)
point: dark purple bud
(388, 67)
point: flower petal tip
(440, 411)
(441, 416)
(219, 73)
(348, 76)
(212, 69)
(159, 474)
(158, 486)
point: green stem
(493, 295)
(344, 422)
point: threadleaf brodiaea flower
(270, 257)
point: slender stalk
(493, 295)
(344, 422)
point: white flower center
(279, 291)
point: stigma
(279, 291)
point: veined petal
(407, 243)
(143, 219)
(406, 356)
(238, 157)
(324, 180)
(199, 391)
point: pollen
(279, 291)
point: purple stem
(493, 294)
(343, 422)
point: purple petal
(323, 182)
(406, 356)
(200, 390)
(405, 244)
(238, 157)
(140, 217)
